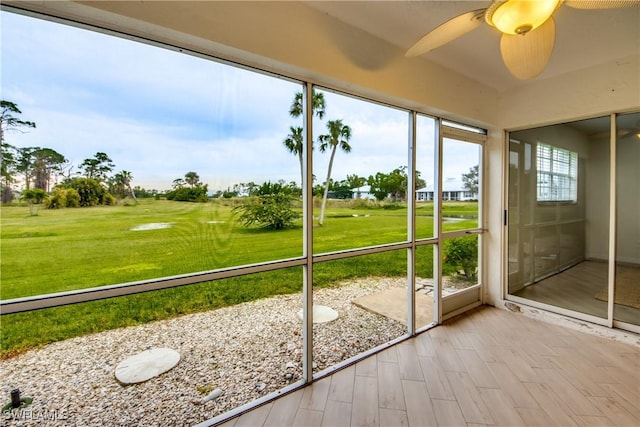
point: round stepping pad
(322, 314)
(146, 365)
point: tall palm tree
(339, 135)
(318, 106)
(123, 180)
(294, 142)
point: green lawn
(60, 250)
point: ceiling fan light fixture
(520, 16)
(526, 56)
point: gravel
(247, 351)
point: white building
(452, 189)
(363, 192)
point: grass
(60, 250)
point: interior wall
(611, 87)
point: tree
(7, 171)
(470, 180)
(272, 207)
(195, 192)
(295, 140)
(24, 164)
(341, 190)
(356, 181)
(318, 105)
(339, 135)
(192, 178)
(46, 162)
(122, 182)
(9, 121)
(393, 184)
(90, 190)
(178, 183)
(34, 196)
(97, 167)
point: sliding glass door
(626, 308)
(564, 224)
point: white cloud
(160, 114)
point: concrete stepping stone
(146, 365)
(322, 314)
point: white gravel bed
(248, 350)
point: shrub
(35, 195)
(109, 200)
(189, 194)
(461, 254)
(62, 198)
(90, 190)
(73, 198)
(274, 211)
(57, 199)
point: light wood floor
(575, 289)
(487, 367)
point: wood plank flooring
(575, 289)
(489, 367)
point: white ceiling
(583, 37)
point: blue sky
(159, 113)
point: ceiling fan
(527, 27)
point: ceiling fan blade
(526, 55)
(444, 33)
(601, 4)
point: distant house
(363, 192)
(452, 189)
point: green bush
(461, 254)
(109, 200)
(62, 198)
(73, 198)
(34, 195)
(91, 192)
(57, 199)
(189, 194)
(269, 210)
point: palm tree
(295, 140)
(318, 105)
(339, 135)
(123, 180)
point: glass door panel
(627, 272)
(425, 291)
(426, 176)
(460, 218)
(460, 184)
(558, 217)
